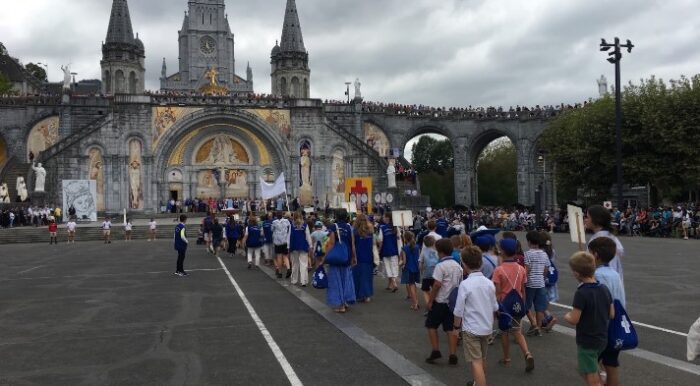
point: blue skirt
(363, 275)
(341, 289)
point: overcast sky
(434, 52)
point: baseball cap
(318, 224)
(486, 241)
(509, 246)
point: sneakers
(178, 274)
(289, 274)
(549, 322)
(529, 363)
(453, 360)
(433, 356)
(471, 383)
(250, 266)
(278, 273)
(184, 273)
(533, 331)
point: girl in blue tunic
(341, 289)
(409, 262)
(363, 272)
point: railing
(73, 138)
(50, 100)
(460, 114)
(204, 100)
(358, 143)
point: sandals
(340, 310)
(415, 307)
(505, 362)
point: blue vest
(363, 248)
(254, 239)
(390, 245)
(267, 230)
(297, 239)
(411, 258)
(180, 244)
(441, 227)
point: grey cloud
(443, 53)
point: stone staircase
(357, 143)
(13, 169)
(74, 138)
(40, 235)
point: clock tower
(205, 43)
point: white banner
(273, 190)
(81, 195)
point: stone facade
(205, 42)
(145, 149)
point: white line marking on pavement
(636, 323)
(106, 274)
(29, 270)
(288, 370)
(644, 354)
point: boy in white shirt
(152, 225)
(71, 225)
(107, 230)
(473, 313)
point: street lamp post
(615, 57)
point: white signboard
(576, 227)
(82, 195)
(402, 218)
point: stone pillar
(461, 171)
(150, 182)
(526, 172)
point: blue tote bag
(621, 333)
(338, 255)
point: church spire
(120, 30)
(292, 40)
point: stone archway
(219, 154)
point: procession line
(103, 275)
(640, 324)
(279, 355)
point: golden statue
(213, 87)
(211, 75)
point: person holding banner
(599, 220)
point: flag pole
(286, 197)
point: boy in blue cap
(487, 244)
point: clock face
(207, 45)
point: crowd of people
(20, 216)
(465, 277)
(469, 112)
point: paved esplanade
(93, 314)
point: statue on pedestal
(66, 76)
(358, 93)
(602, 86)
(40, 181)
(391, 173)
(21, 188)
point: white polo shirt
(476, 303)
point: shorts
(410, 277)
(610, 357)
(52, 234)
(216, 243)
(391, 266)
(440, 314)
(71, 233)
(587, 360)
(281, 249)
(536, 297)
(427, 284)
(206, 237)
(507, 323)
(475, 347)
(106, 232)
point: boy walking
(604, 249)
(508, 277)
(591, 313)
(473, 313)
(181, 245)
(447, 275)
(537, 265)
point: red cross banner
(359, 191)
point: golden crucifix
(211, 75)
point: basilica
(210, 132)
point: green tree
(433, 159)
(36, 71)
(497, 175)
(660, 136)
(6, 87)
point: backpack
(320, 279)
(552, 275)
(621, 333)
(512, 307)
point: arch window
(296, 91)
(119, 80)
(132, 82)
(283, 86)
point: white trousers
(254, 252)
(269, 251)
(300, 263)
